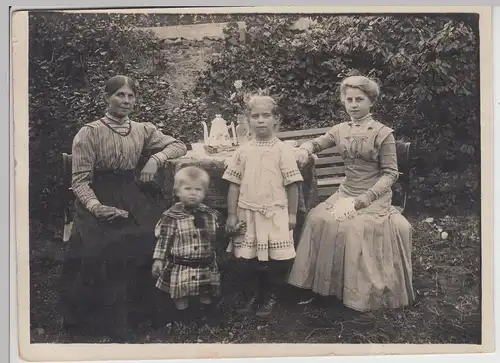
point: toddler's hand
(157, 268)
(231, 224)
(292, 221)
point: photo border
(20, 226)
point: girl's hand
(157, 268)
(302, 157)
(149, 171)
(231, 224)
(361, 201)
(292, 221)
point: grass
(447, 280)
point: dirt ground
(447, 280)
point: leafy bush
(427, 67)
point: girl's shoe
(266, 309)
(248, 306)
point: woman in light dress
(356, 245)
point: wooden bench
(330, 170)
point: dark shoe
(266, 309)
(248, 306)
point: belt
(192, 262)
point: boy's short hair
(191, 173)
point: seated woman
(356, 245)
(107, 266)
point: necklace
(111, 118)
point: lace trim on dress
(271, 142)
(361, 120)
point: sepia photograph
(239, 176)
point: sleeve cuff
(158, 256)
(91, 204)
(158, 158)
(371, 195)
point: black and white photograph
(221, 177)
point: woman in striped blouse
(108, 260)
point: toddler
(184, 259)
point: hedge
(427, 67)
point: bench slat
(324, 193)
(286, 135)
(333, 181)
(327, 160)
(330, 170)
(333, 150)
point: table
(215, 165)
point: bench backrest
(330, 169)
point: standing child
(263, 196)
(184, 257)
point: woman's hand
(292, 221)
(302, 157)
(108, 213)
(157, 268)
(149, 171)
(232, 224)
(361, 201)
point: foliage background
(427, 66)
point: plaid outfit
(186, 243)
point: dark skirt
(106, 277)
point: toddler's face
(191, 193)
(357, 103)
(262, 120)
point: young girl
(184, 257)
(263, 196)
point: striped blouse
(111, 143)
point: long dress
(107, 267)
(366, 260)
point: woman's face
(122, 102)
(356, 102)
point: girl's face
(263, 122)
(356, 102)
(122, 102)
(191, 193)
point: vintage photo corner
(253, 177)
